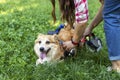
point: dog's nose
(42, 49)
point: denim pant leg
(112, 32)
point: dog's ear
(54, 39)
(68, 27)
(38, 37)
(36, 40)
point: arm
(97, 19)
(81, 18)
(79, 30)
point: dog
(48, 49)
(66, 33)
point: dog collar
(75, 43)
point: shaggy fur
(47, 49)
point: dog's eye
(47, 42)
(39, 42)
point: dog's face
(43, 44)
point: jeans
(112, 33)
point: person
(73, 11)
(110, 10)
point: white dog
(48, 49)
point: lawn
(20, 23)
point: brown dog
(66, 33)
(48, 49)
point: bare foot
(116, 65)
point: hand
(68, 45)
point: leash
(93, 43)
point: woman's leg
(112, 32)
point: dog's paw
(39, 61)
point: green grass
(20, 23)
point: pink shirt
(81, 11)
